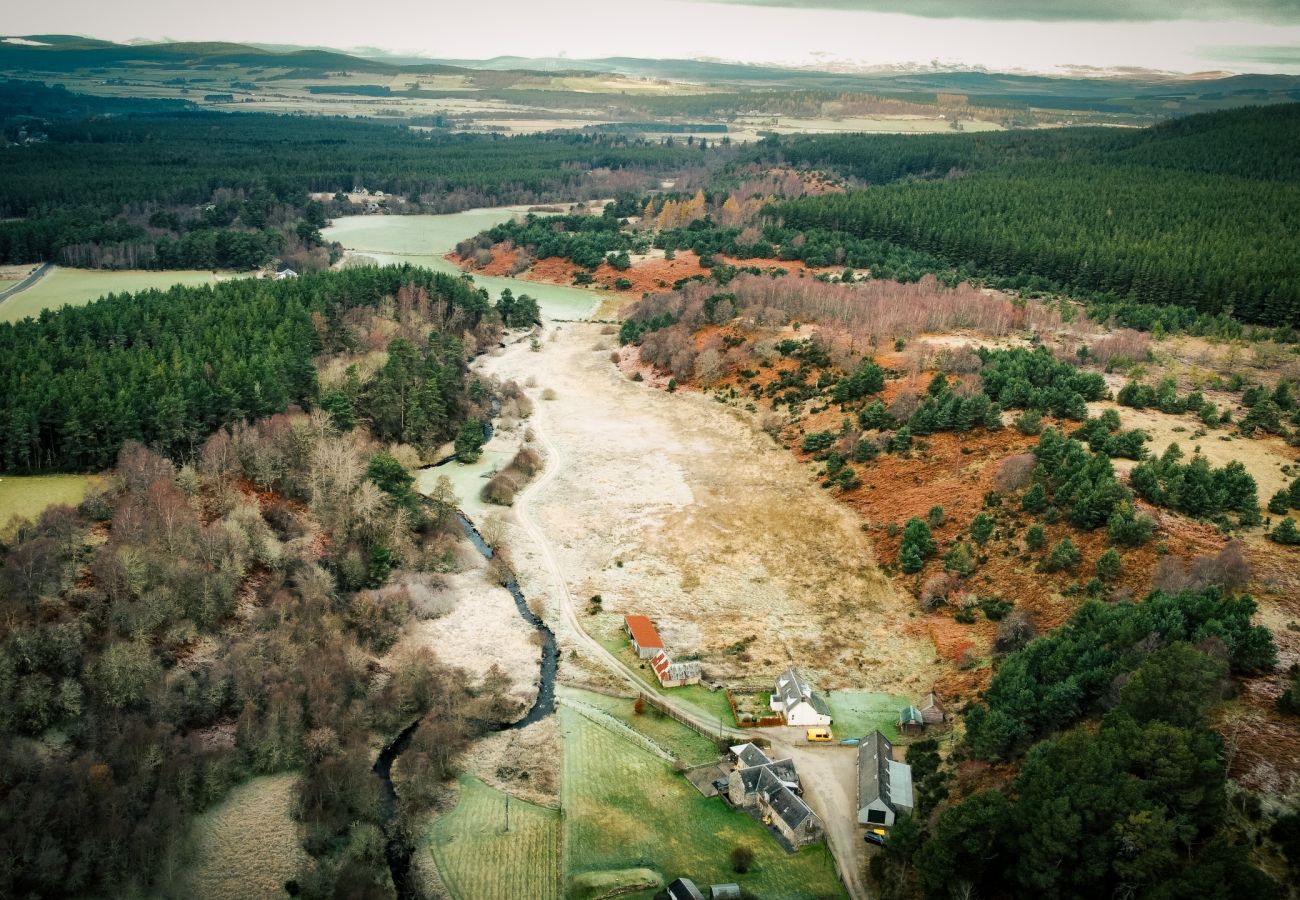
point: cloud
(1276, 11)
(1280, 56)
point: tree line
(166, 368)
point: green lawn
(860, 712)
(77, 287)
(479, 860)
(690, 747)
(712, 704)
(626, 808)
(27, 496)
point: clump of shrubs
(502, 488)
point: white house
(285, 273)
(797, 702)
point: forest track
(41, 272)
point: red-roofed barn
(645, 640)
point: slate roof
(749, 755)
(792, 690)
(684, 889)
(880, 777)
(786, 804)
(780, 772)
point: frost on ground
(670, 505)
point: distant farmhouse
(884, 784)
(645, 640)
(285, 273)
(797, 702)
(773, 788)
(674, 674)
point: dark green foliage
(817, 441)
(166, 368)
(1286, 532)
(1289, 701)
(981, 528)
(74, 190)
(917, 545)
(874, 416)
(1035, 538)
(518, 312)
(1108, 566)
(959, 559)
(868, 378)
(1081, 483)
(470, 440)
(1034, 379)
(631, 330)
(1102, 435)
(1064, 556)
(1035, 499)
(1280, 502)
(1128, 529)
(1196, 488)
(1157, 215)
(1063, 676)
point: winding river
(398, 849)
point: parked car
(875, 837)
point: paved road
(829, 774)
(27, 282)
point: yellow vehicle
(818, 735)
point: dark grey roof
(792, 689)
(787, 804)
(781, 771)
(880, 777)
(749, 755)
(684, 889)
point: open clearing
(672, 506)
(248, 845)
(626, 808)
(26, 496)
(689, 747)
(77, 287)
(477, 858)
(858, 713)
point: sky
(1004, 35)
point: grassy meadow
(26, 496)
(626, 810)
(857, 713)
(690, 747)
(477, 858)
(77, 287)
(247, 847)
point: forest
(1179, 214)
(211, 190)
(167, 368)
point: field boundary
(598, 716)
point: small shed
(910, 721)
(684, 889)
(725, 892)
(931, 710)
(645, 639)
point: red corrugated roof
(643, 632)
(660, 664)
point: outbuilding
(884, 784)
(645, 639)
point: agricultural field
(477, 858)
(626, 809)
(27, 496)
(860, 712)
(77, 287)
(248, 845)
(689, 747)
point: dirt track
(673, 506)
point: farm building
(285, 273)
(884, 784)
(773, 789)
(684, 889)
(671, 674)
(797, 702)
(747, 755)
(931, 711)
(724, 892)
(645, 640)
(910, 721)
(785, 810)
